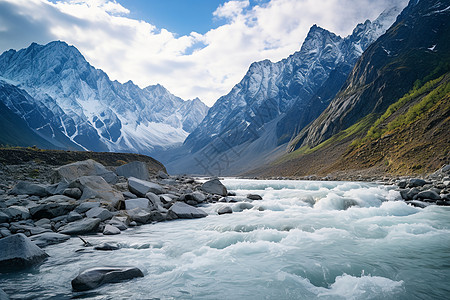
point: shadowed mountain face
(392, 114)
(84, 107)
(415, 46)
(264, 110)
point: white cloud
(207, 65)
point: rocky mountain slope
(257, 115)
(393, 113)
(80, 107)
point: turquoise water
(304, 240)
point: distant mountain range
(68, 103)
(274, 101)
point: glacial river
(304, 240)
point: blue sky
(194, 48)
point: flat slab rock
(18, 252)
(49, 238)
(186, 211)
(86, 225)
(95, 277)
(77, 169)
(141, 187)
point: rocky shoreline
(41, 204)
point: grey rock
(155, 202)
(168, 181)
(118, 224)
(142, 187)
(49, 238)
(110, 230)
(196, 196)
(254, 197)
(428, 195)
(42, 222)
(136, 169)
(139, 215)
(416, 182)
(51, 210)
(57, 188)
(4, 218)
(97, 187)
(85, 206)
(78, 169)
(5, 232)
(16, 212)
(86, 225)
(28, 188)
(402, 183)
(224, 210)
(214, 186)
(106, 247)
(74, 216)
(137, 203)
(124, 219)
(412, 192)
(184, 211)
(162, 175)
(3, 295)
(129, 195)
(73, 193)
(95, 277)
(242, 206)
(27, 229)
(18, 252)
(99, 212)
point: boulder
(415, 182)
(118, 224)
(100, 213)
(155, 202)
(16, 212)
(85, 206)
(97, 187)
(28, 188)
(78, 169)
(49, 238)
(95, 277)
(4, 218)
(74, 216)
(184, 211)
(18, 252)
(129, 195)
(139, 215)
(51, 210)
(86, 225)
(142, 187)
(214, 186)
(138, 202)
(254, 197)
(57, 188)
(224, 210)
(136, 169)
(110, 230)
(428, 195)
(73, 193)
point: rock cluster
(432, 190)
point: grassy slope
(411, 137)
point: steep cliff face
(415, 46)
(393, 112)
(263, 110)
(92, 111)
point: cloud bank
(195, 65)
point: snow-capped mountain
(252, 117)
(81, 104)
